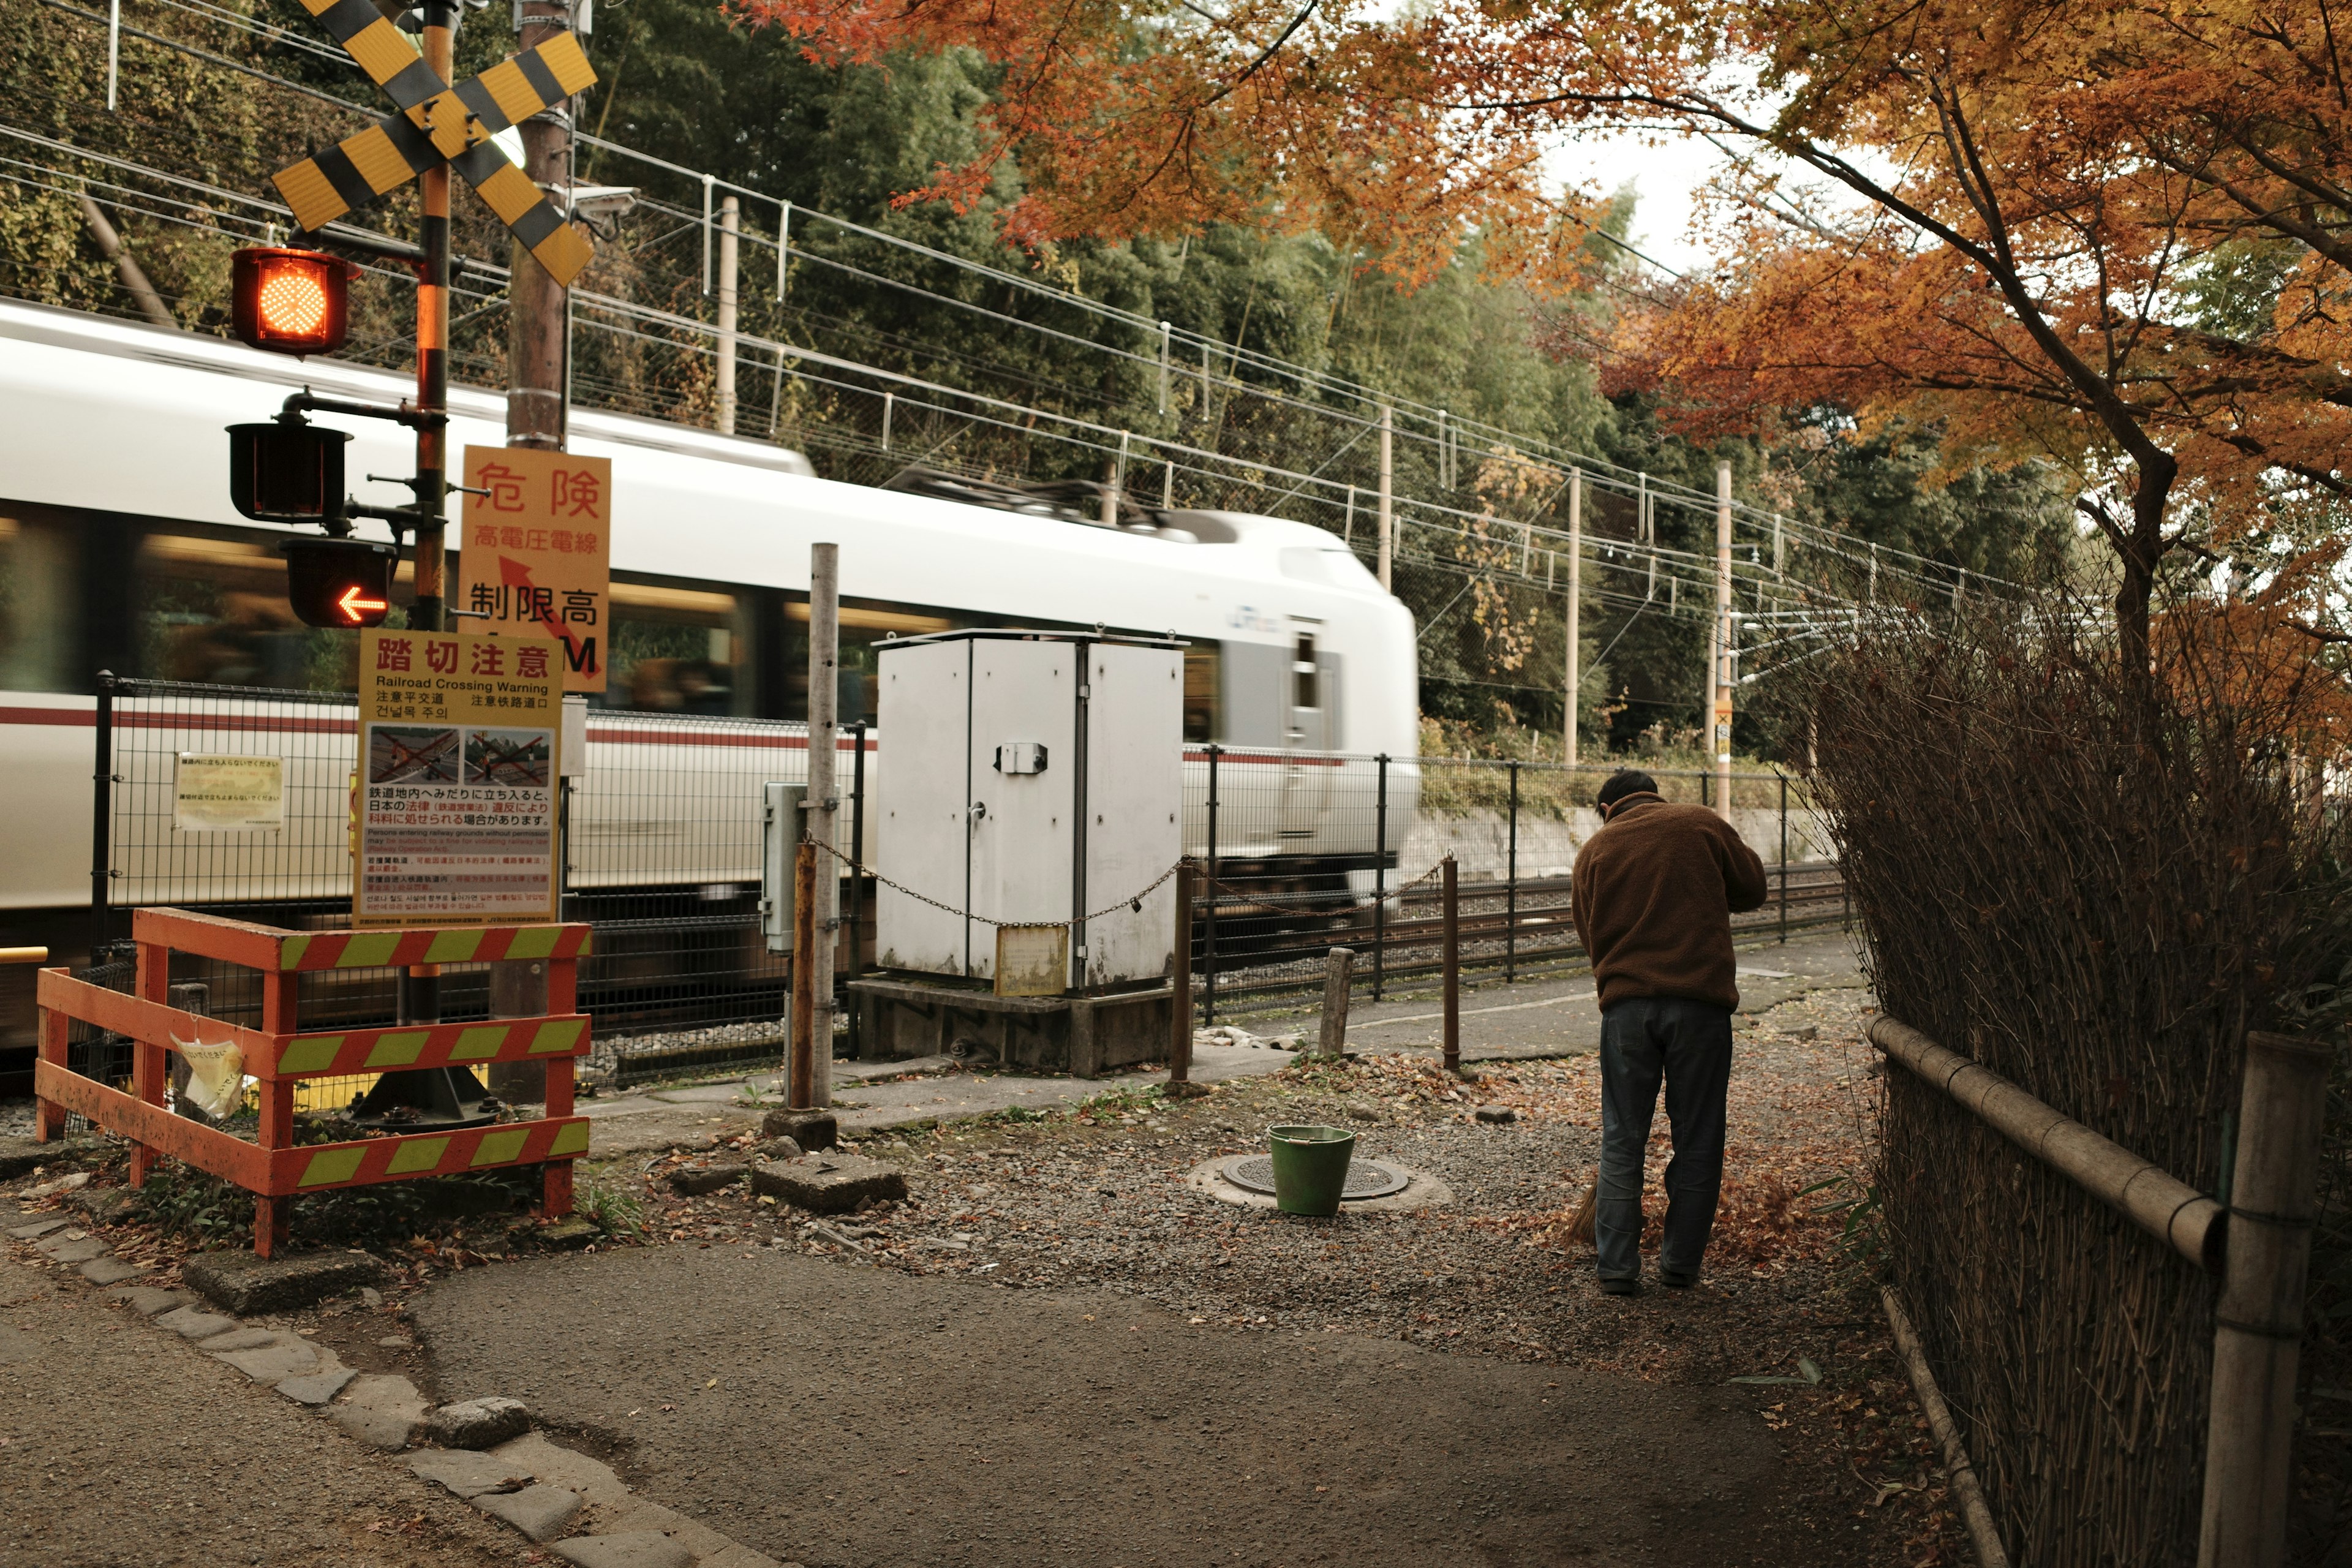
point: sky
(1665, 177)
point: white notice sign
(228, 794)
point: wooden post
(1384, 557)
(1452, 971)
(1338, 975)
(801, 1073)
(730, 227)
(1180, 991)
(2258, 1327)
(273, 1217)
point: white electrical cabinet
(1034, 777)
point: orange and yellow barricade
(278, 1055)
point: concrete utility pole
(825, 664)
(538, 306)
(1575, 605)
(1388, 516)
(730, 222)
(1725, 639)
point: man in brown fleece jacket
(1653, 893)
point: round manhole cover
(1366, 1178)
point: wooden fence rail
(2260, 1245)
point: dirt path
(850, 1416)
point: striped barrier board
(278, 1056)
(313, 1167)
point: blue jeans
(1689, 1044)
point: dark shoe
(1620, 1286)
(1674, 1280)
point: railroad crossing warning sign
(437, 122)
(459, 757)
(535, 558)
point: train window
(1201, 692)
(214, 610)
(38, 597)
(865, 624)
(1306, 686)
(678, 650)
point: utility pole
(1727, 637)
(1575, 605)
(1388, 518)
(730, 229)
(538, 306)
(440, 39)
(823, 688)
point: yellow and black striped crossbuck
(436, 123)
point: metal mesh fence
(1302, 851)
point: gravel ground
(120, 1446)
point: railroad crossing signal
(291, 301)
(437, 122)
(340, 583)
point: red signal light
(291, 301)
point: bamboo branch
(1984, 1535)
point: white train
(119, 550)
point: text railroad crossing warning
(437, 122)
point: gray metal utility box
(1031, 790)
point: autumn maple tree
(2036, 195)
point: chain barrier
(1133, 901)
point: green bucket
(1310, 1168)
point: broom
(1581, 1217)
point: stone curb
(536, 1487)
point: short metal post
(1381, 876)
(1784, 857)
(1338, 975)
(2258, 1329)
(1179, 996)
(856, 879)
(1511, 888)
(1209, 919)
(102, 816)
(1452, 971)
(801, 1071)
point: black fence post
(1784, 857)
(856, 880)
(1209, 934)
(102, 816)
(1380, 875)
(1705, 789)
(1511, 888)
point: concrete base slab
(151, 1300)
(112, 1270)
(539, 1513)
(241, 1283)
(634, 1549)
(829, 1184)
(1422, 1190)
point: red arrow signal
(356, 609)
